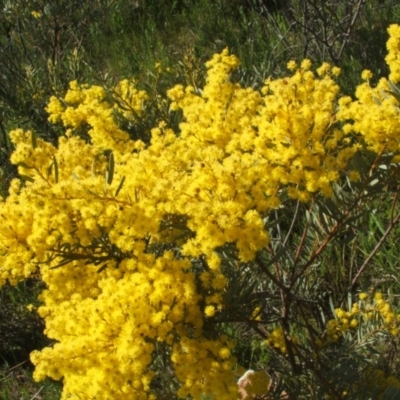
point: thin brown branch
(298, 253)
(382, 240)
(277, 282)
(350, 28)
(291, 227)
(357, 205)
(3, 131)
(286, 330)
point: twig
(332, 233)
(292, 224)
(268, 273)
(298, 253)
(350, 28)
(12, 369)
(37, 393)
(391, 225)
(4, 135)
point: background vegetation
(44, 45)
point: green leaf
(49, 169)
(24, 165)
(332, 307)
(347, 237)
(55, 169)
(394, 91)
(391, 393)
(120, 186)
(26, 178)
(110, 170)
(33, 140)
(62, 263)
(376, 100)
(102, 268)
(395, 88)
(330, 208)
(65, 246)
(395, 95)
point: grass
(16, 383)
(21, 331)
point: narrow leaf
(395, 95)
(33, 140)
(49, 169)
(65, 246)
(120, 186)
(102, 268)
(332, 307)
(394, 87)
(55, 169)
(26, 178)
(110, 171)
(376, 100)
(62, 263)
(23, 165)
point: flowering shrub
(138, 243)
(349, 320)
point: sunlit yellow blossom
(393, 57)
(291, 65)
(378, 296)
(36, 14)
(305, 64)
(336, 71)
(209, 311)
(366, 74)
(353, 323)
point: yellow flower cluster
(36, 14)
(106, 339)
(87, 105)
(205, 366)
(344, 321)
(277, 340)
(144, 214)
(129, 100)
(393, 57)
(390, 321)
(377, 310)
(375, 116)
